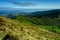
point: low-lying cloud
(22, 3)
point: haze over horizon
(30, 4)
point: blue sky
(31, 4)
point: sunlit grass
(25, 30)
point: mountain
(50, 13)
(32, 12)
(51, 24)
(54, 13)
(22, 29)
(40, 25)
(5, 11)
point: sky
(30, 4)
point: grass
(51, 24)
(23, 29)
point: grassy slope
(25, 30)
(30, 22)
(46, 23)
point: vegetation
(24, 28)
(51, 24)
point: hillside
(51, 24)
(49, 13)
(24, 31)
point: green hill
(23, 29)
(51, 24)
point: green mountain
(51, 24)
(26, 28)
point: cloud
(22, 3)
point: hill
(48, 13)
(11, 29)
(51, 24)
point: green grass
(23, 28)
(51, 24)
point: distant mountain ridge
(4, 11)
(49, 13)
(7, 10)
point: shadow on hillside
(10, 37)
